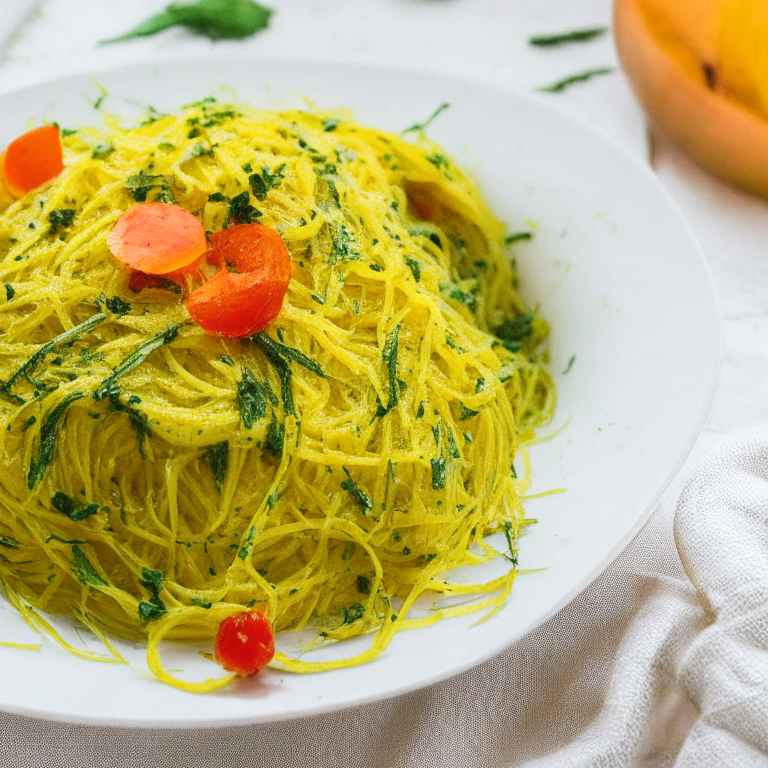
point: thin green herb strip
(515, 237)
(70, 335)
(422, 126)
(217, 19)
(572, 36)
(250, 399)
(389, 356)
(85, 571)
(135, 359)
(69, 507)
(218, 458)
(360, 496)
(579, 77)
(48, 434)
(139, 421)
(285, 351)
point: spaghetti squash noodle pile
(328, 471)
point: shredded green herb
(342, 241)
(141, 184)
(360, 496)
(572, 36)
(515, 237)
(272, 178)
(570, 364)
(353, 613)
(117, 306)
(515, 330)
(217, 19)
(512, 556)
(389, 356)
(218, 458)
(248, 546)
(135, 359)
(414, 266)
(579, 77)
(423, 126)
(61, 218)
(284, 350)
(154, 608)
(275, 438)
(69, 507)
(241, 211)
(330, 124)
(438, 160)
(139, 421)
(455, 293)
(85, 571)
(250, 399)
(439, 471)
(101, 150)
(281, 366)
(63, 338)
(49, 432)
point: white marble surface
(482, 39)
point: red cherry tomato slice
(237, 304)
(32, 160)
(245, 643)
(250, 247)
(157, 238)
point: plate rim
(557, 112)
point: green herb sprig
(422, 126)
(571, 36)
(217, 19)
(579, 77)
(49, 432)
(135, 359)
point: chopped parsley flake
(69, 507)
(218, 458)
(360, 496)
(85, 571)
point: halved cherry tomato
(157, 238)
(241, 303)
(32, 160)
(245, 643)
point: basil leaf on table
(218, 19)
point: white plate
(614, 268)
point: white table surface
(482, 39)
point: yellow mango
(743, 48)
(700, 70)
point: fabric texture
(663, 661)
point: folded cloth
(647, 667)
(721, 530)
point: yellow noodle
(330, 481)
